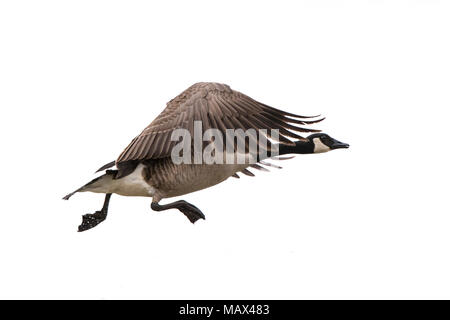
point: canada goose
(145, 168)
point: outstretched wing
(217, 106)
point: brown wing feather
(217, 106)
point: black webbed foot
(189, 210)
(90, 220)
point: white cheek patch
(319, 146)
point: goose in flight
(147, 168)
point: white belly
(130, 185)
(133, 184)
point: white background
(80, 79)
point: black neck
(300, 147)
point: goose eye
(326, 140)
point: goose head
(322, 142)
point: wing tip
(106, 166)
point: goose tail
(67, 197)
(95, 185)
